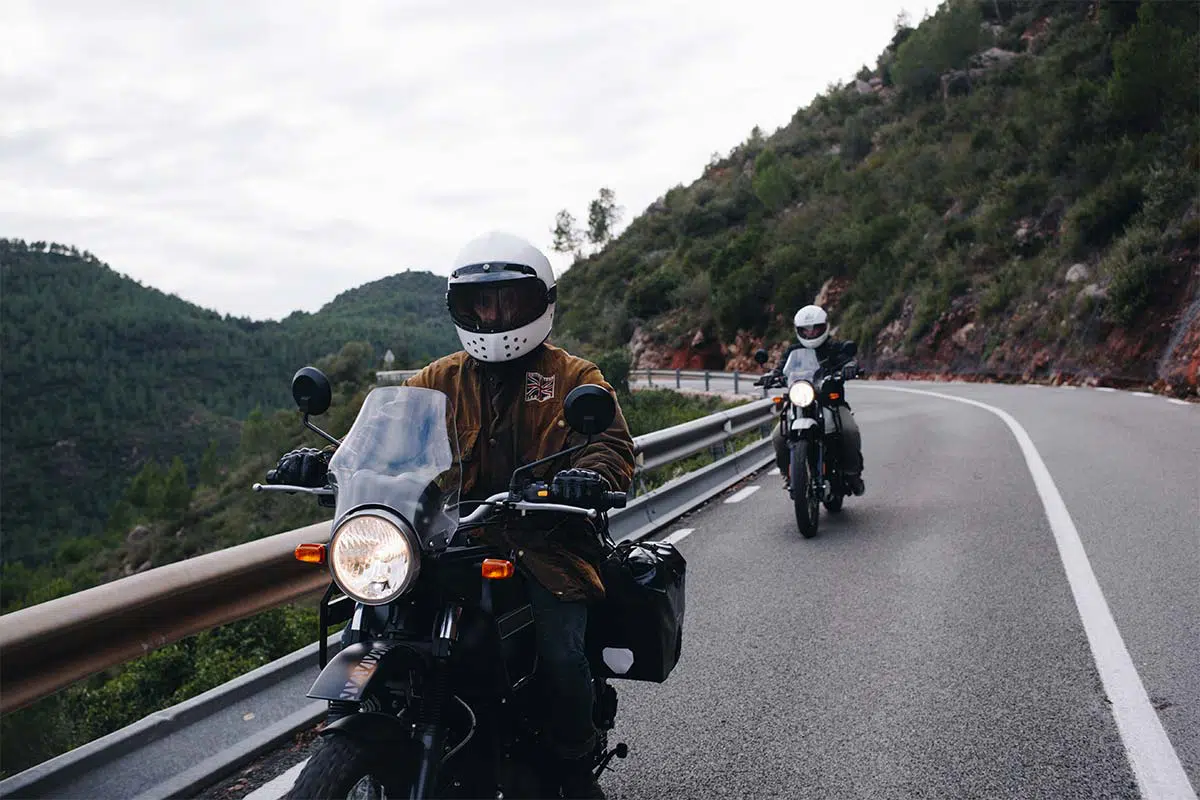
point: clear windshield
(402, 453)
(801, 365)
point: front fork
(816, 442)
(431, 732)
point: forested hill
(1011, 189)
(100, 373)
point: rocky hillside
(1009, 192)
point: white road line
(679, 535)
(774, 471)
(277, 787)
(1178, 402)
(1144, 394)
(742, 495)
(1152, 758)
(1105, 389)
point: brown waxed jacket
(511, 414)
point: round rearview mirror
(311, 391)
(589, 409)
(761, 356)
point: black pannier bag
(636, 632)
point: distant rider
(812, 331)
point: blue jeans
(564, 672)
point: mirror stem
(512, 484)
(320, 432)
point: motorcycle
(434, 692)
(811, 424)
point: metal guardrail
(148, 760)
(47, 647)
(391, 377)
(676, 376)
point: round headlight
(373, 559)
(801, 394)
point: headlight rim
(405, 530)
(806, 389)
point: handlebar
(608, 500)
(281, 487)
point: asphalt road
(952, 508)
(927, 643)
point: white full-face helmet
(501, 297)
(812, 326)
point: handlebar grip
(616, 499)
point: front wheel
(806, 501)
(341, 768)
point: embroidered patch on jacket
(538, 388)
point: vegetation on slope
(958, 182)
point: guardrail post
(649, 377)
(764, 390)
(677, 379)
(735, 381)
(706, 380)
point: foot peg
(620, 751)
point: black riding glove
(307, 466)
(580, 487)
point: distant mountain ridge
(99, 373)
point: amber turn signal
(834, 395)
(497, 569)
(777, 400)
(311, 553)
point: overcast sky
(260, 156)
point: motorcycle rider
(812, 331)
(507, 386)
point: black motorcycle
(435, 692)
(811, 423)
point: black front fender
(349, 674)
(371, 729)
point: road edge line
(1152, 757)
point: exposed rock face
(654, 350)
(830, 294)
(1179, 367)
(1035, 34)
(701, 352)
(1078, 273)
(1033, 342)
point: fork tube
(432, 731)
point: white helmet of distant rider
(812, 326)
(501, 296)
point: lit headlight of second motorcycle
(373, 558)
(801, 393)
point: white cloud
(261, 157)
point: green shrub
(942, 43)
(615, 365)
(1101, 216)
(1137, 267)
(1155, 66)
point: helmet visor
(497, 306)
(812, 331)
